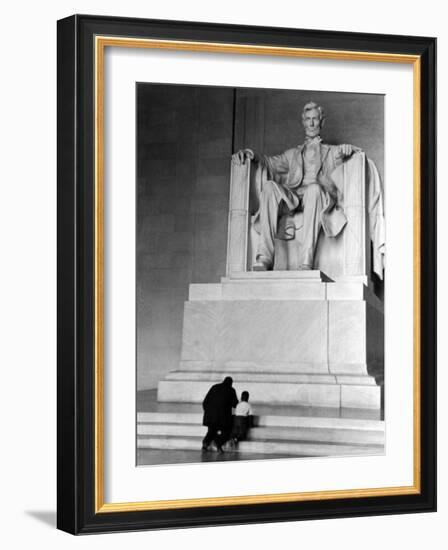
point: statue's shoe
(262, 264)
(305, 267)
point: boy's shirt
(243, 409)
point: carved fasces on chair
(238, 228)
(350, 178)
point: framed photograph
(246, 274)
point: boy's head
(245, 396)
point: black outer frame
(75, 172)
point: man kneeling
(217, 405)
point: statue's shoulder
(294, 151)
(330, 146)
(290, 154)
(293, 155)
(329, 149)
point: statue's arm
(276, 165)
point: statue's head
(312, 119)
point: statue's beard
(312, 132)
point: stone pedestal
(288, 337)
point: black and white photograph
(260, 269)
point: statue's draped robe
(286, 171)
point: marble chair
(345, 257)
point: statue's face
(312, 123)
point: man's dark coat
(218, 404)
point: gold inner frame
(101, 42)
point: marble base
(296, 339)
(303, 394)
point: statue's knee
(268, 189)
(313, 191)
(268, 186)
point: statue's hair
(313, 105)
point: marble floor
(149, 457)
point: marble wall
(184, 137)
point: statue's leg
(270, 199)
(313, 204)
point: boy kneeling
(243, 419)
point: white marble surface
(297, 288)
(252, 330)
(348, 369)
(272, 331)
(311, 275)
(360, 397)
(293, 340)
(277, 433)
(274, 377)
(230, 367)
(238, 227)
(272, 290)
(303, 394)
(281, 420)
(347, 331)
(317, 395)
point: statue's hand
(241, 156)
(346, 150)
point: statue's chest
(311, 162)
(311, 156)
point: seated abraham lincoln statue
(300, 179)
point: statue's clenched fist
(345, 150)
(240, 156)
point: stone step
(274, 447)
(269, 420)
(304, 394)
(264, 289)
(272, 377)
(275, 288)
(305, 275)
(269, 367)
(324, 435)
